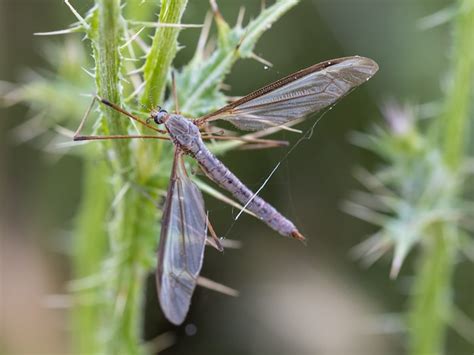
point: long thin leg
(86, 114)
(216, 286)
(270, 142)
(78, 137)
(131, 136)
(128, 114)
(213, 240)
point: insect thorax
(183, 132)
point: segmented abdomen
(219, 173)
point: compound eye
(156, 119)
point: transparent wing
(182, 243)
(297, 95)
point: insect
(184, 222)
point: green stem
(456, 117)
(431, 303)
(162, 53)
(107, 55)
(129, 279)
(106, 33)
(125, 285)
(90, 312)
(90, 245)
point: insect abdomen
(217, 172)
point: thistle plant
(419, 197)
(117, 225)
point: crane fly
(184, 224)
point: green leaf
(162, 52)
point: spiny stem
(90, 245)
(456, 117)
(104, 32)
(432, 303)
(126, 285)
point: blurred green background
(294, 299)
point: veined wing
(182, 243)
(298, 95)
